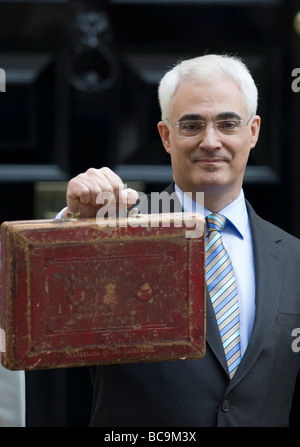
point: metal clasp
(76, 214)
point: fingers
(90, 185)
(129, 196)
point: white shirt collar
(235, 212)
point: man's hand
(88, 186)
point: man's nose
(210, 138)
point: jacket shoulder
(272, 231)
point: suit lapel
(269, 265)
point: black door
(81, 83)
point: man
(209, 125)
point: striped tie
(223, 291)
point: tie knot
(215, 222)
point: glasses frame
(214, 125)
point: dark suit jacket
(198, 392)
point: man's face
(210, 163)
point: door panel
(82, 91)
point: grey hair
(209, 67)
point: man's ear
(164, 133)
(255, 127)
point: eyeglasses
(196, 128)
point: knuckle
(72, 182)
(91, 171)
(105, 170)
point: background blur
(81, 82)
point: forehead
(208, 99)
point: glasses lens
(227, 127)
(190, 128)
(196, 128)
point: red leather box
(75, 293)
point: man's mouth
(209, 160)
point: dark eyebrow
(228, 115)
(220, 116)
(191, 116)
